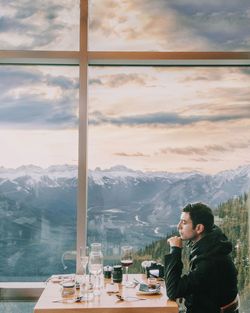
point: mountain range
(38, 207)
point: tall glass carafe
(96, 247)
(96, 266)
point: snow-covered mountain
(36, 172)
(117, 174)
(156, 190)
(38, 208)
(153, 198)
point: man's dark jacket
(212, 279)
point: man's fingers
(175, 241)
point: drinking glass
(84, 256)
(126, 261)
(95, 268)
(85, 283)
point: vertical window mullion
(82, 166)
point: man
(211, 283)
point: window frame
(84, 58)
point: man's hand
(175, 241)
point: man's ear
(200, 229)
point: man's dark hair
(200, 214)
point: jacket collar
(213, 243)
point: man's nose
(178, 225)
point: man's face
(185, 228)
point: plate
(150, 291)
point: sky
(39, 24)
(170, 25)
(172, 119)
(150, 119)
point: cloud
(205, 160)
(190, 169)
(118, 80)
(11, 76)
(7, 25)
(205, 150)
(35, 24)
(62, 82)
(31, 99)
(190, 150)
(171, 25)
(161, 118)
(36, 113)
(196, 78)
(218, 26)
(128, 25)
(137, 154)
(100, 17)
(95, 81)
(200, 159)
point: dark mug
(117, 274)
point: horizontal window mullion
(125, 58)
(168, 58)
(40, 57)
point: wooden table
(106, 303)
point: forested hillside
(234, 219)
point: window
(39, 25)
(179, 74)
(38, 176)
(161, 137)
(136, 25)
